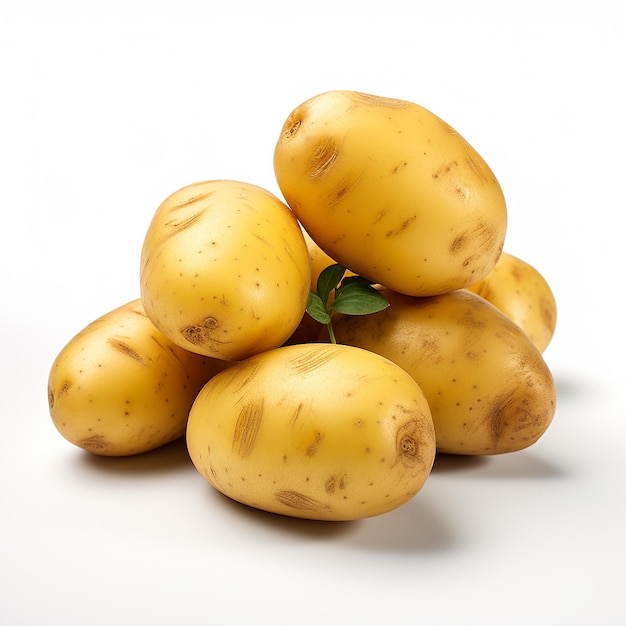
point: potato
(119, 387)
(520, 291)
(390, 191)
(225, 270)
(488, 387)
(316, 431)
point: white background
(103, 113)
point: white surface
(101, 117)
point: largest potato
(391, 191)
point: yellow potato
(487, 385)
(119, 387)
(390, 191)
(520, 291)
(225, 270)
(316, 431)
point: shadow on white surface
(172, 457)
(521, 465)
(413, 528)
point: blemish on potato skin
(191, 200)
(398, 167)
(408, 445)
(125, 349)
(401, 228)
(345, 185)
(314, 445)
(300, 501)
(96, 443)
(247, 428)
(444, 169)
(312, 359)
(322, 159)
(173, 228)
(458, 243)
(204, 334)
(333, 483)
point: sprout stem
(331, 333)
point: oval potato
(314, 431)
(487, 385)
(120, 387)
(521, 292)
(391, 192)
(225, 270)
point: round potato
(390, 191)
(119, 387)
(225, 270)
(315, 431)
(487, 385)
(520, 291)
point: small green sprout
(353, 295)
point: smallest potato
(521, 292)
(119, 387)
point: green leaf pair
(353, 295)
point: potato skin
(119, 387)
(487, 385)
(315, 431)
(225, 270)
(521, 292)
(391, 192)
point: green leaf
(358, 297)
(329, 279)
(317, 309)
(356, 279)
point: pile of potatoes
(332, 421)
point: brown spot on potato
(96, 444)
(401, 228)
(444, 169)
(247, 428)
(300, 501)
(173, 228)
(316, 357)
(125, 349)
(292, 125)
(203, 334)
(398, 167)
(335, 482)
(408, 444)
(458, 243)
(346, 184)
(313, 446)
(322, 159)
(191, 200)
